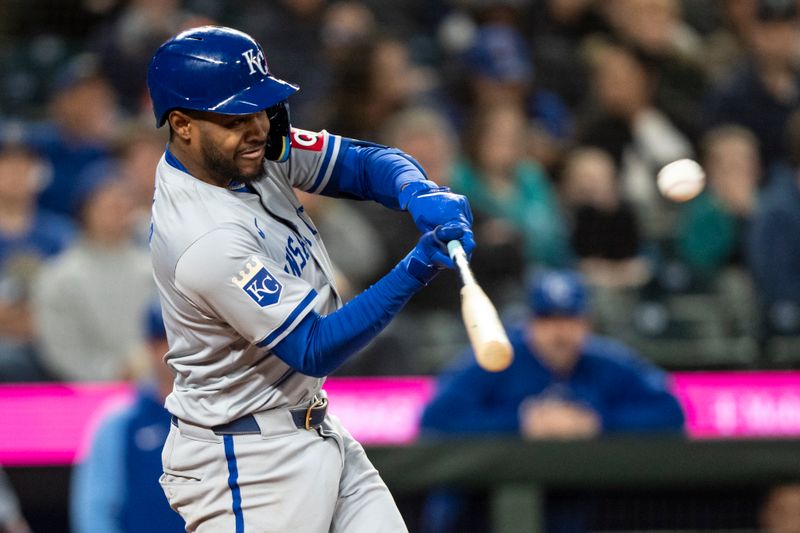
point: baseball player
(253, 318)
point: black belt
(310, 417)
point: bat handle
(458, 255)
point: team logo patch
(256, 281)
(307, 140)
(256, 61)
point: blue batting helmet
(213, 68)
(558, 293)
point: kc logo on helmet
(256, 281)
(256, 61)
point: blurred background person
(605, 232)
(710, 230)
(115, 489)
(498, 71)
(89, 300)
(139, 150)
(773, 245)
(657, 32)
(564, 382)
(512, 198)
(344, 24)
(80, 130)
(28, 236)
(762, 92)
(624, 121)
(726, 45)
(376, 80)
(558, 30)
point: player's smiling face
(224, 148)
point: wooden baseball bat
(486, 334)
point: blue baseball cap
(213, 68)
(558, 293)
(500, 53)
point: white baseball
(681, 180)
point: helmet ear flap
(278, 141)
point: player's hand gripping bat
(486, 334)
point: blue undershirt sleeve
(366, 171)
(319, 344)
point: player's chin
(251, 170)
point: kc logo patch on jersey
(256, 281)
(307, 140)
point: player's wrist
(413, 188)
(417, 268)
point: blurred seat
(783, 351)
(682, 323)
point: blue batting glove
(432, 206)
(430, 256)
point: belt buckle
(316, 403)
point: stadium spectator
(500, 72)
(115, 489)
(559, 28)
(762, 93)
(28, 236)
(345, 23)
(139, 149)
(627, 124)
(510, 191)
(656, 30)
(727, 45)
(604, 228)
(773, 244)
(84, 116)
(375, 81)
(89, 300)
(711, 229)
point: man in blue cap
(565, 382)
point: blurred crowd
(552, 117)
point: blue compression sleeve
(366, 171)
(318, 345)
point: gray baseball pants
(285, 480)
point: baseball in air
(681, 180)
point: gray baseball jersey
(237, 269)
